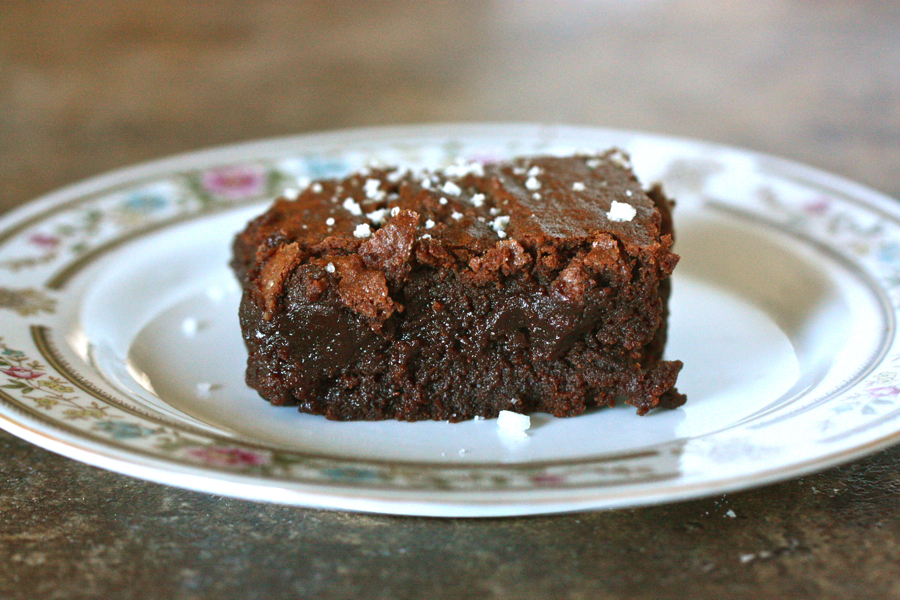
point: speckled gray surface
(73, 531)
(87, 87)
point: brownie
(534, 285)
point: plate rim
(204, 155)
(253, 487)
(156, 469)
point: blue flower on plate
(889, 252)
(144, 203)
(120, 430)
(350, 474)
(320, 168)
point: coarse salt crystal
(291, 193)
(329, 268)
(621, 211)
(534, 171)
(372, 188)
(426, 183)
(578, 186)
(442, 201)
(426, 236)
(377, 216)
(494, 211)
(457, 215)
(536, 196)
(478, 199)
(396, 175)
(532, 183)
(513, 424)
(303, 182)
(429, 224)
(621, 159)
(329, 221)
(731, 514)
(362, 231)
(190, 326)
(462, 168)
(593, 163)
(451, 188)
(352, 207)
(395, 211)
(316, 188)
(500, 223)
(216, 293)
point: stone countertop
(88, 87)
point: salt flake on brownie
(621, 212)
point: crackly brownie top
(472, 205)
(487, 220)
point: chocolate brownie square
(534, 285)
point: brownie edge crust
(535, 285)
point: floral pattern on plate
(50, 398)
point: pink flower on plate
(235, 182)
(817, 206)
(44, 241)
(880, 392)
(21, 373)
(549, 480)
(229, 457)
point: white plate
(120, 344)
